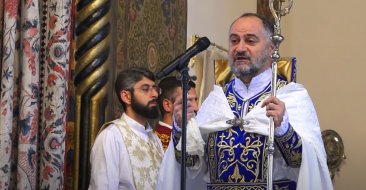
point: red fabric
(164, 134)
(163, 130)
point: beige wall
(328, 38)
(212, 18)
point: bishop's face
(249, 50)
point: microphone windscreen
(203, 43)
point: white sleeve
(283, 129)
(105, 157)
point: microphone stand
(184, 78)
(181, 64)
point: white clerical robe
(110, 160)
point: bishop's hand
(276, 109)
(178, 109)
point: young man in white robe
(127, 154)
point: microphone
(200, 45)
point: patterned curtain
(33, 96)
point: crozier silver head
(277, 14)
